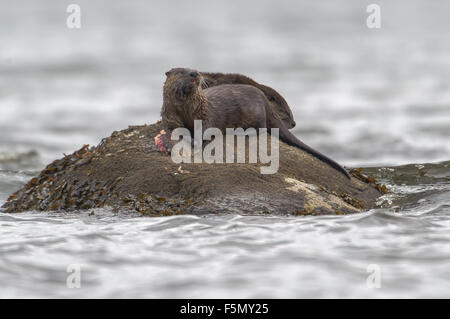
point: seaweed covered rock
(127, 172)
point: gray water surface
(377, 99)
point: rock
(127, 172)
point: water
(377, 99)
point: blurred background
(363, 96)
(372, 98)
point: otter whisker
(204, 84)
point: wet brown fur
(276, 101)
(223, 106)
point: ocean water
(372, 98)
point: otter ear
(169, 72)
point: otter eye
(272, 99)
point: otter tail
(289, 138)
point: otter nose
(194, 74)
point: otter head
(182, 83)
(279, 104)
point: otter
(222, 106)
(276, 101)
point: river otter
(276, 101)
(223, 106)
